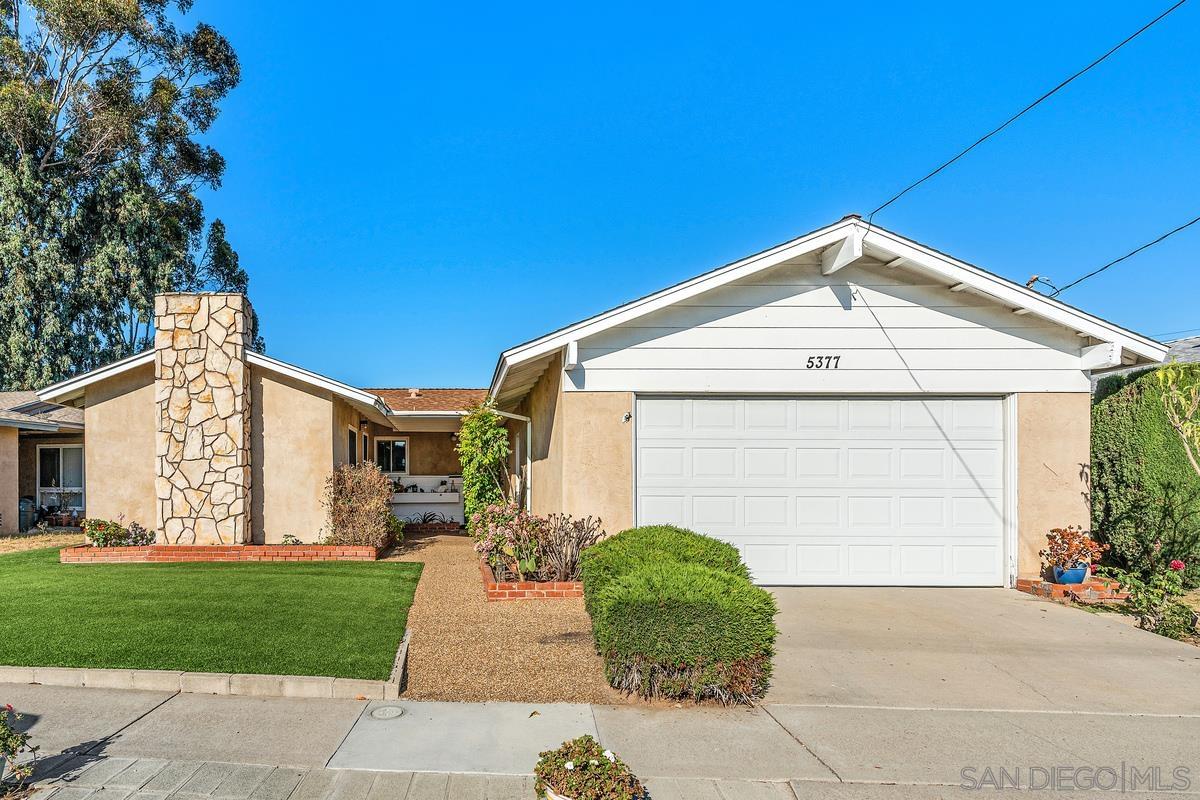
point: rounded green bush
(619, 555)
(686, 631)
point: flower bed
(162, 553)
(526, 590)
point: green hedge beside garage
(1137, 460)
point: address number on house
(823, 362)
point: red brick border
(1093, 590)
(526, 590)
(431, 528)
(164, 553)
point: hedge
(1137, 458)
(619, 555)
(686, 631)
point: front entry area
(833, 491)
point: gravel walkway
(467, 649)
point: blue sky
(417, 191)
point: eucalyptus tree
(103, 104)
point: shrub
(1139, 457)
(563, 542)
(483, 452)
(106, 533)
(357, 501)
(582, 770)
(1154, 600)
(509, 539)
(651, 544)
(686, 631)
(1070, 547)
(14, 746)
(1158, 529)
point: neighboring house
(849, 407)
(1183, 351)
(41, 457)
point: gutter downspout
(528, 454)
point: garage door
(833, 491)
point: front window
(352, 446)
(392, 455)
(60, 477)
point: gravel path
(467, 649)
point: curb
(219, 683)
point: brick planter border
(1093, 590)
(223, 683)
(526, 590)
(168, 553)
(432, 528)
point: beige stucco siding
(543, 406)
(597, 444)
(1053, 448)
(432, 453)
(290, 455)
(9, 495)
(118, 456)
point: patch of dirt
(467, 649)
(14, 543)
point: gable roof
(401, 400)
(844, 242)
(24, 410)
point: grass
(343, 619)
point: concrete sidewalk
(114, 744)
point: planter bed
(1093, 590)
(526, 590)
(432, 529)
(164, 553)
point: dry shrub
(357, 501)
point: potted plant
(583, 770)
(1069, 554)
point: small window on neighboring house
(352, 446)
(392, 455)
(366, 448)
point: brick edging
(526, 590)
(432, 528)
(168, 553)
(1093, 590)
(220, 683)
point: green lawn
(344, 619)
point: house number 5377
(823, 362)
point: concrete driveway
(973, 649)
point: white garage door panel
(833, 491)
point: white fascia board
(817, 240)
(27, 426)
(1013, 295)
(73, 387)
(343, 390)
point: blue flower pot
(1072, 575)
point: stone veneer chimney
(203, 408)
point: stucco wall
(290, 456)
(543, 406)
(1053, 446)
(345, 417)
(431, 453)
(9, 508)
(598, 465)
(119, 419)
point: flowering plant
(509, 539)
(1177, 565)
(1069, 547)
(1153, 599)
(13, 744)
(582, 770)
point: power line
(1028, 108)
(1174, 333)
(1130, 254)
